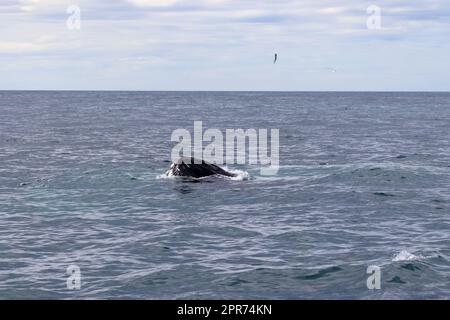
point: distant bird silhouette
(276, 58)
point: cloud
(153, 3)
(33, 5)
(17, 47)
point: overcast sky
(225, 45)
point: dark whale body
(187, 167)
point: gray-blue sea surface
(364, 181)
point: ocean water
(364, 181)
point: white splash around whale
(240, 175)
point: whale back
(189, 167)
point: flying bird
(276, 58)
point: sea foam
(406, 256)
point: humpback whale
(192, 168)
